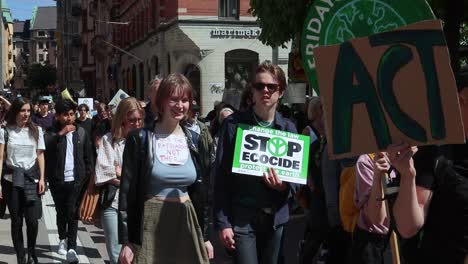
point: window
(41, 33)
(41, 57)
(54, 44)
(229, 8)
(40, 45)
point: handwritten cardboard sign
(260, 148)
(387, 88)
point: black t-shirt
(445, 233)
(87, 125)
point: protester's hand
(209, 249)
(381, 164)
(226, 236)
(67, 129)
(273, 181)
(126, 255)
(118, 170)
(401, 157)
(41, 187)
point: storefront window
(192, 72)
(240, 68)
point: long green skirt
(171, 235)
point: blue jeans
(110, 225)
(256, 240)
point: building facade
(97, 52)
(42, 35)
(21, 52)
(69, 43)
(212, 42)
(7, 46)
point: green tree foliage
(39, 76)
(280, 20)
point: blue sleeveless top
(171, 181)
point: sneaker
(72, 257)
(62, 247)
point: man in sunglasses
(250, 211)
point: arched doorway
(192, 72)
(141, 82)
(155, 63)
(134, 82)
(239, 68)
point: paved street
(91, 244)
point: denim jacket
(223, 188)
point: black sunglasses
(272, 87)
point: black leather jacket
(136, 170)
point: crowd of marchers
(165, 175)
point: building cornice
(165, 26)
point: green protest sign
(259, 148)
(332, 22)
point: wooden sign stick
(393, 237)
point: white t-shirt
(21, 148)
(69, 159)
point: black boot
(32, 259)
(21, 259)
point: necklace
(262, 123)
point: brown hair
(175, 84)
(14, 110)
(275, 71)
(125, 107)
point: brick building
(213, 42)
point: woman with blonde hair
(163, 205)
(128, 116)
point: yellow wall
(7, 61)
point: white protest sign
(260, 148)
(87, 101)
(119, 96)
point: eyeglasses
(175, 101)
(135, 120)
(272, 87)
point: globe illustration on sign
(361, 18)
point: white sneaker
(62, 247)
(72, 257)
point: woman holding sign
(163, 203)
(250, 211)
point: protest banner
(331, 22)
(388, 88)
(87, 101)
(119, 96)
(260, 148)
